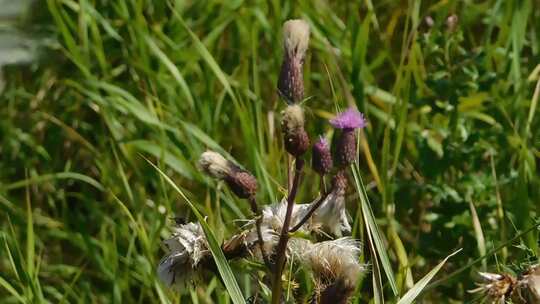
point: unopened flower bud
(296, 138)
(296, 41)
(321, 157)
(347, 121)
(241, 182)
(346, 148)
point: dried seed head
(331, 261)
(527, 289)
(214, 164)
(321, 157)
(335, 293)
(296, 138)
(186, 249)
(296, 37)
(331, 215)
(293, 119)
(497, 287)
(339, 182)
(296, 41)
(242, 183)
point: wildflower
(295, 136)
(241, 182)
(334, 264)
(296, 41)
(186, 249)
(347, 121)
(321, 157)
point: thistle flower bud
(296, 41)
(296, 138)
(347, 121)
(214, 164)
(241, 182)
(321, 157)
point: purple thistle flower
(350, 119)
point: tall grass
(453, 123)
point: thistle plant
(271, 236)
(503, 287)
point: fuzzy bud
(296, 41)
(214, 164)
(241, 182)
(321, 157)
(296, 138)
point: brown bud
(291, 82)
(296, 138)
(346, 148)
(297, 143)
(242, 183)
(321, 160)
(296, 41)
(339, 182)
(336, 293)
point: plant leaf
(373, 230)
(411, 295)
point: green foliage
(453, 123)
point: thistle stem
(309, 213)
(258, 221)
(284, 235)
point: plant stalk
(258, 221)
(284, 235)
(309, 213)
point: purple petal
(350, 119)
(322, 143)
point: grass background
(448, 159)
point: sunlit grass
(452, 117)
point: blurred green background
(89, 87)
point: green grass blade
(411, 295)
(11, 290)
(373, 229)
(221, 262)
(53, 176)
(172, 69)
